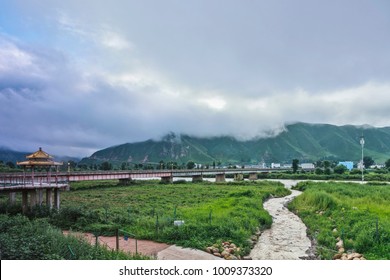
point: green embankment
(358, 214)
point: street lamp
(362, 166)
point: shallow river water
(286, 239)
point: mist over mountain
(8, 155)
(306, 142)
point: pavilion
(40, 165)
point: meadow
(359, 214)
(211, 213)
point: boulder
(340, 244)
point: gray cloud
(82, 75)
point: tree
(368, 161)
(387, 163)
(10, 164)
(340, 169)
(326, 164)
(295, 163)
(161, 164)
(106, 166)
(190, 165)
(319, 171)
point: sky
(78, 76)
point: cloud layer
(77, 76)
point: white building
(307, 166)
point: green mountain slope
(306, 142)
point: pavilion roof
(39, 158)
(39, 155)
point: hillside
(306, 142)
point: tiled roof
(39, 158)
(39, 154)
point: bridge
(33, 184)
(17, 180)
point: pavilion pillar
(57, 198)
(24, 201)
(33, 198)
(40, 197)
(12, 198)
(49, 198)
(220, 178)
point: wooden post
(117, 239)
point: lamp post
(362, 166)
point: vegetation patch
(194, 215)
(24, 239)
(358, 214)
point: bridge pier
(49, 198)
(57, 198)
(220, 178)
(24, 201)
(40, 197)
(12, 198)
(33, 198)
(167, 179)
(253, 176)
(238, 177)
(125, 182)
(197, 178)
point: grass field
(211, 212)
(358, 214)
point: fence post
(117, 239)
(377, 230)
(157, 224)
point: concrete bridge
(32, 185)
(39, 179)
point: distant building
(378, 166)
(275, 165)
(307, 166)
(347, 164)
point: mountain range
(303, 141)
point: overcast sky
(78, 76)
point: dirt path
(159, 251)
(286, 239)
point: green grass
(24, 239)
(359, 214)
(211, 212)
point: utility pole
(362, 166)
